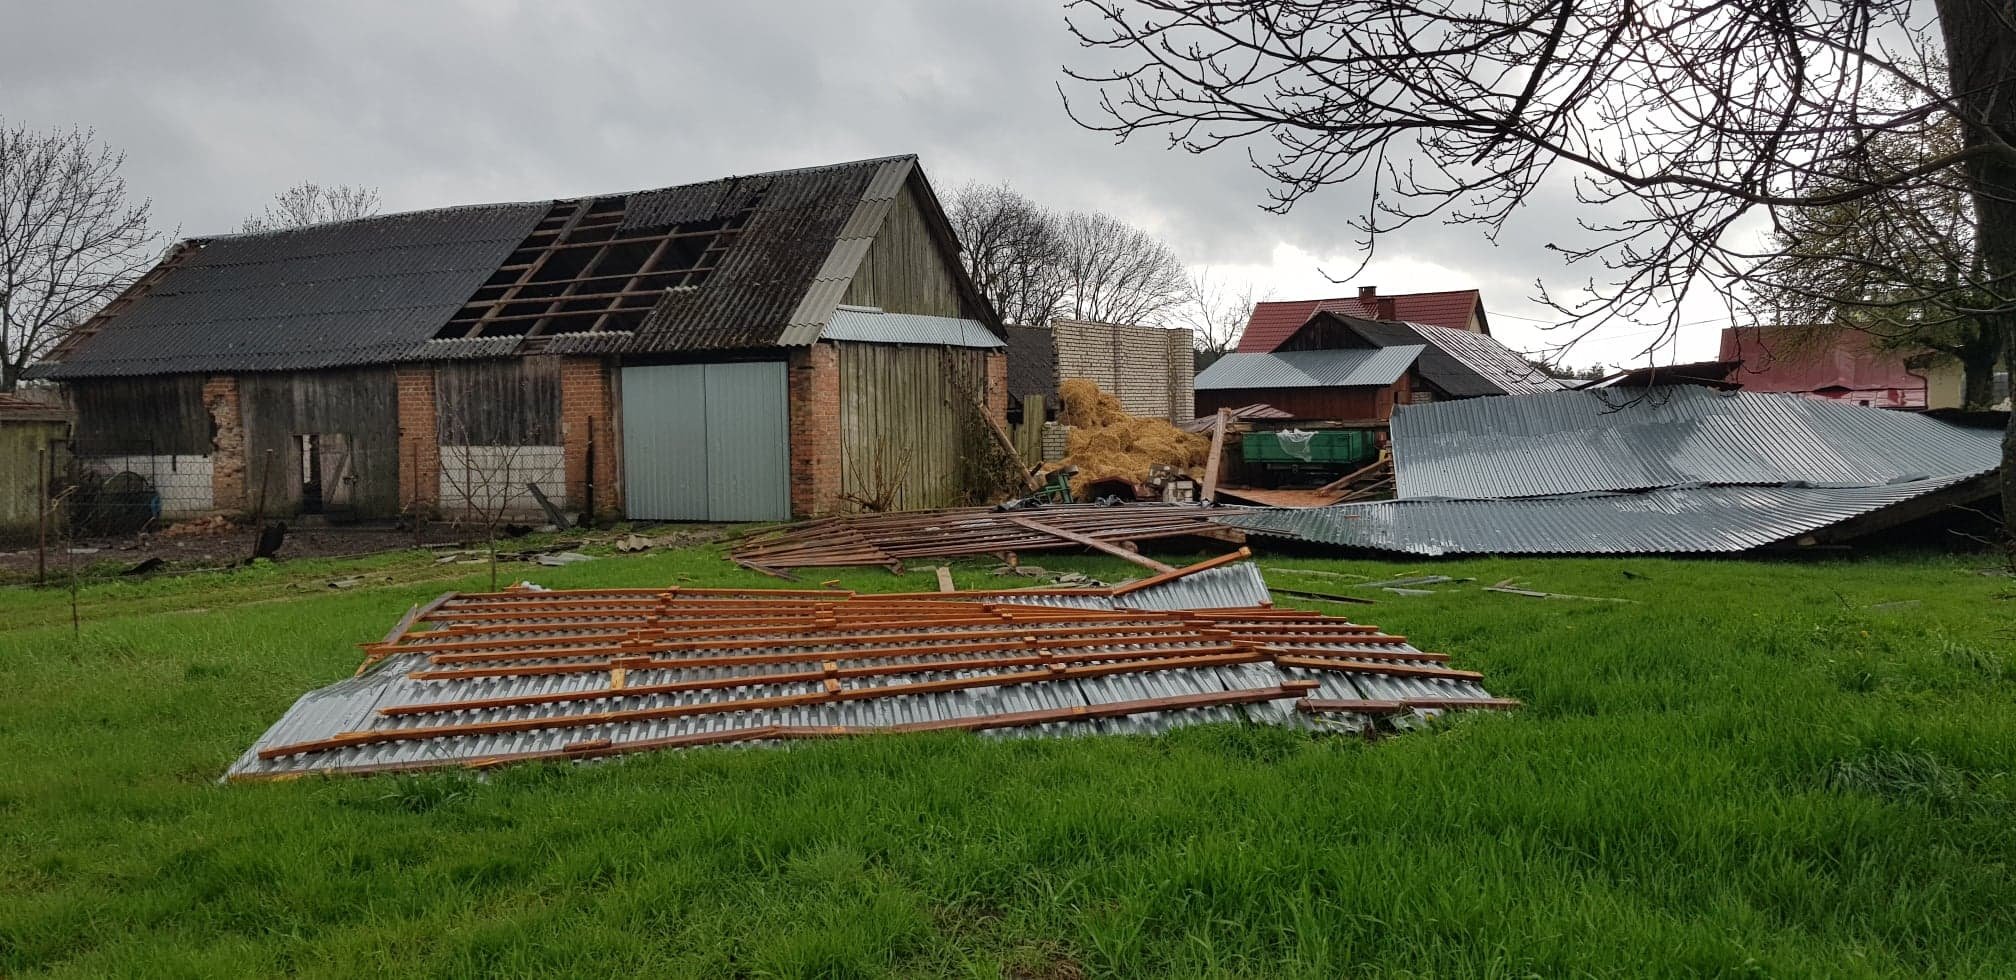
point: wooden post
(259, 509)
(41, 514)
(1211, 462)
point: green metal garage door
(706, 442)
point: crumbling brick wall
(227, 443)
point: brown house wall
(1328, 404)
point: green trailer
(1320, 447)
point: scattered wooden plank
(1212, 461)
(945, 579)
(1093, 543)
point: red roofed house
(1273, 323)
(1850, 367)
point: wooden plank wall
(509, 402)
(160, 415)
(361, 403)
(900, 426)
(905, 271)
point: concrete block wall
(478, 480)
(183, 481)
(1149, 369)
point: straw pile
(1106, 443)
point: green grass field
(1770, 769)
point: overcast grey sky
(221, 104)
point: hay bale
(1106, 443)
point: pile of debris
(521, 675)
(1110, 449)
(891, 539)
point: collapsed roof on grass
(1681, 469)
(569, 675)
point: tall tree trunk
(1978, 360)
(1981, 58)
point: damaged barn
(751, 348)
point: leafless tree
(1117, 273)
(1013, 251)
(1680, 126)
(69, 241)
(1217, 310)
(487, 482)
(309, 203)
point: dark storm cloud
(220, 105)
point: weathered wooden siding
(161, 416)
(902, 423)
(22, 471)
(905, 270)
(514, 402)
(360, 404)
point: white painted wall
(182, 481)
(486, 476)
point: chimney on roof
(1366, 294)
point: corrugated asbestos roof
(1461, 363)
(1351, 367)
(354, 292)
(1618, 439)
(873, 326)
(376, 290)
(1668, 520)
(586, 674)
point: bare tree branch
(69, 241)
(309, 203)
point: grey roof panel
(1349, 367)
(353, 292)
(872, 326)
(1673, 520)
(1628, 439)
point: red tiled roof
(23, 409)
(1274, 322)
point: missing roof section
(591, 265)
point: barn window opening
(583, 269)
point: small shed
(33, 434)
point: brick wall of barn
(813, 395)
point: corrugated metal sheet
(1615, 439)
(873, 326)
(1677, 520)
(350, 293)
(706, 442)
(535, 675)
(1349, 368)
(1460, 363)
